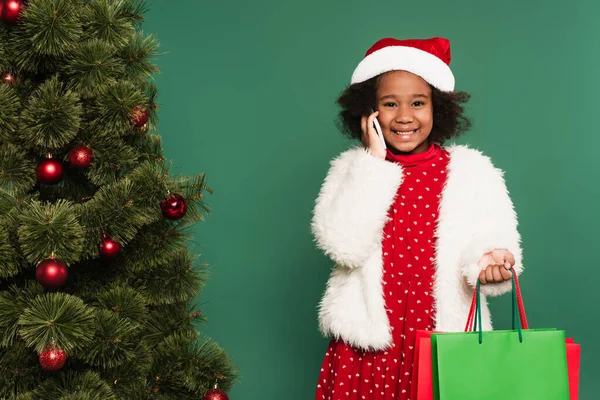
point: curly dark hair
(359, 99)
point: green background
(247, 95)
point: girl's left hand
(496, 266)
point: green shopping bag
(500, 365)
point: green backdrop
(247, 95)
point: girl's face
(405, 111)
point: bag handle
(517, 307)
(519, 299)
(524, 323)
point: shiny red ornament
(215, 394)
(52, 358)
(51, 273)
(81, 157)
(8, 78)
(10, 10)
(50, 171)
(109, 248)
(139, 116)
(173, 207)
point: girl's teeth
(406, 133)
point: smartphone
(378, 130)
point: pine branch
(9, 257)
(124, 301)
(151, 180)
(88, 277)
(9, 104)
(17, 171)
(138, 56)
(114, 20)
(135, 9)
(23, 396)
(209, 363)
(114, 343)
(48, 229)
(92, 66)
(176, 281)
(51, 118)
(115, 107)
(75, 386)
(8, 202)
(12, 303)
(75, 187)
(152, 247)
(48, 30)
(59, 318)
(151, 93)
(149, 148)
(111, 156)
(10, 212)
(164, 320)
(19, 370)
(4, 56)
(25, 84)
(183, 363)
(10, 261)
(128, 380)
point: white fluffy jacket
(476, 216)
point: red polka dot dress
(408, 273)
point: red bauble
(173, 207)
(139, 116)
(49, 171)
(10, 10)
(109, 248)
(81, 157)
(8, 78)
(52, 358)
(51, 273)
(215, 394)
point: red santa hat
(427, 58)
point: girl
(411, 225)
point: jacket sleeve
(495, 223)
(352, 206)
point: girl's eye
(418, 103)
(389, 104)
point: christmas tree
(97, 281)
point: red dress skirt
(408, 274)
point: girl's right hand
(370, 138)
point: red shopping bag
(422, 385)
(425, 378)
(573, 364)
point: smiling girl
(411, 225)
